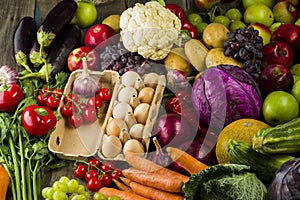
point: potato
(214, 35)
(177, 59)
(216, 57)
(196, 52)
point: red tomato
(89, 115)
(94, 184)
(58, 92)
(67, 109)
(38, 120)
(105, 179)
(76, 120)
(94, 102)
(80, 171)
(91, 174)
(52, 102)
(106, 167)
(94, 163)
(116, 173)
(10, 97)
(71, 97)
(105, 94)
(42, 99)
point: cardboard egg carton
(72, 143)
(150, 121)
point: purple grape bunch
(245, 45)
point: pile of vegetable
(168, 132)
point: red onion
(171, 129)
(8, 75)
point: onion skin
(171, 129)
(8, 75)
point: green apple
(259, 13)
(297, 22)
(296, 78)
(247, 3)
(295, 69)
(296, 90)
(280, 107)
(86, 14)
(274, 26)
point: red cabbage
(225, 93)
(285, 184)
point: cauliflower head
(149, 29)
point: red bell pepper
(177, 10)
(38, 120)
(187, 26)
(10, 97)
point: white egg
(120, 110)
(141, 112)
(126, 93)
(136, 131)
(134, 146)
(151, 79)
(129, 78)
(111, 146)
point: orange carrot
(144, 164)
(122, 194)
(122, 186)
(185, 160)
(126, 181)
(152, 193)
(152, 179)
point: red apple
(205, 4)
(263, 31)
(289, 33)
(96, 34)
(278, 52)
(294, 2)
(275, 77)
(75, 58)
(285, 12)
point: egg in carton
(131, 115)
(71, 143)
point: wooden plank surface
(11, 11)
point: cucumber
(280, 139)
(264, 165)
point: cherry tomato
(94, 102)
(10, 97)
(105, 179)
(80, 171)
(67, 109)
(90, 174)
(52, 102)
(42, 99)
(89, 115)
(116, 173)
(58, 92)
(94, 184)
(105, 94)
(106, 167)
(94, 163)
(76, 120)
(72, 97)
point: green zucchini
(263, 165)
(280, 139)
